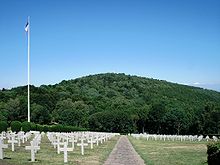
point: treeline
(117, 103)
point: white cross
(19, 141)
(2, 145)
(52, 138)
(58, 144)
(73, 140)
(33, 150)
(65, 151)
(97, 139)
(12, 141)
(207, 138)
(2, 137)
(82, 144)
(91, 141)
(102, 139)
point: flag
(27, 27)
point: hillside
(117, 103)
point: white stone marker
(97, 139)
(207, 138)
(82, 144)
(19, 141)
(33, 150)
(58, 144)
(2, 146)
(215, 138)
(73, 140)
(2, 137)
(91, 141)
(65, 151)
(12, 141)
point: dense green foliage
(213, 151)
(15, 126)
(52, 128)
(117, 103)
(26, 126)
(3, 126)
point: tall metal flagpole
(28, 68)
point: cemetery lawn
(48, 155)
(170, 152)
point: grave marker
(2, 146)
(65, 151)
(73, 140)
(12, 141)
(33, 149)
(91, 141)
(82, 145)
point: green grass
(170, 152)
(48, 155)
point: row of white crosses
(13, 138)
(173, 137)
(81, 139)
(34, 145)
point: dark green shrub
(53, 128)
(213, 151)
(33, 127)
(15, 126)
(39, 128)
(26, 126)
(3, 126)
(58, 128)
(46, 128)
(67, 128)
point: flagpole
(29, 69)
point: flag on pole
(27, 27)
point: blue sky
(173, 40)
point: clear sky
(173, 40)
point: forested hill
(117, 103)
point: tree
(3, 126)
(69, 113)
(13, 109)
(143, 115)
(176, 121)
(39, 114)
(156, 118)
(3, 112)
(210, 119)
(112, 121)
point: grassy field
(48, 155)
(171, 153)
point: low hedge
(29, 126)
(65, 128)
(213, 151)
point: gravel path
(124, 154)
